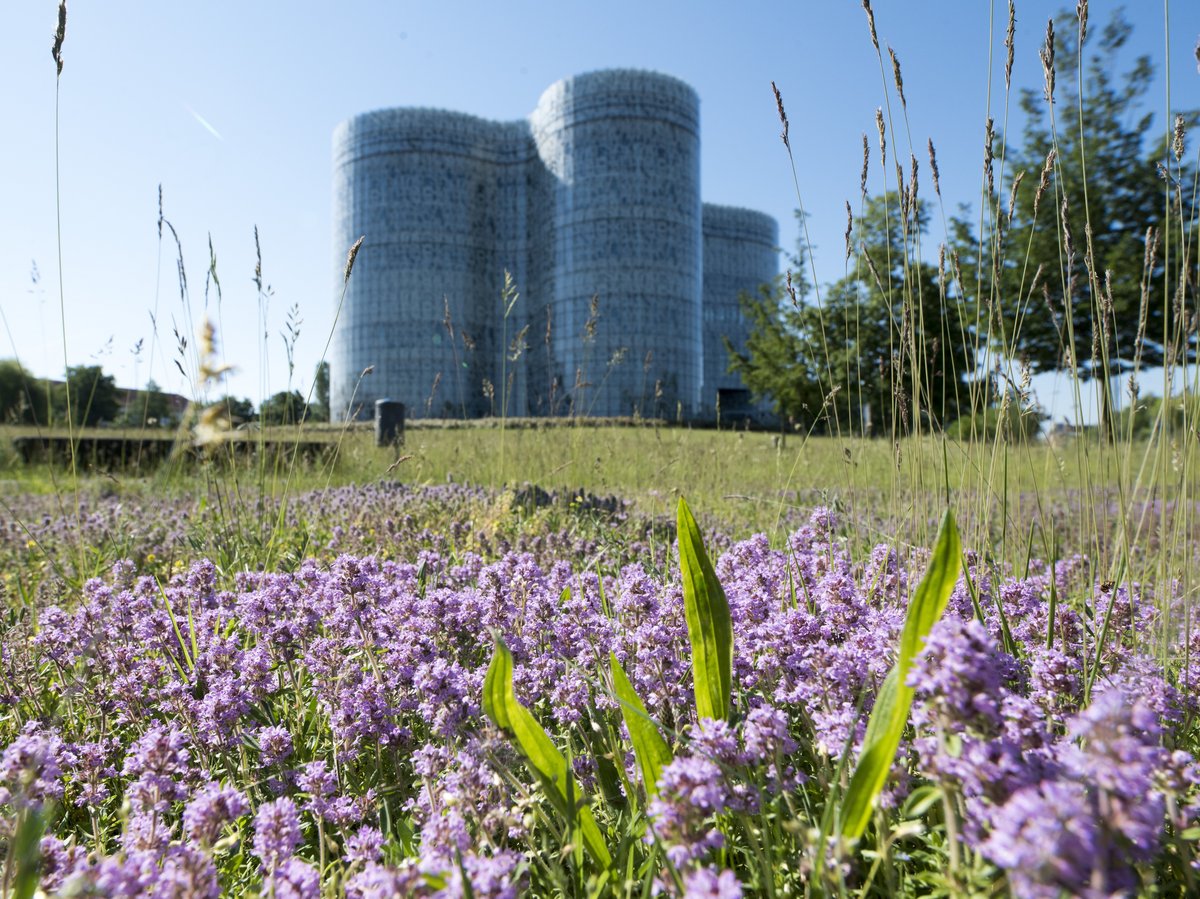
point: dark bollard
(389, 422)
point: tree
(893, 331)
(885, 350)
(775, 363)
(93, 395)
(237, 411)
(319, 411)
(283, 408)
(149, 407)
(19, 391)
(1068, 283)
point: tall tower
(623, 148)
(440, 199)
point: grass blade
(890, 715)
(651, 750)
(547, 763)
(710, 629)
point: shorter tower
(740, 248)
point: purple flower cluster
(332, 715)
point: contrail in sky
(203, 121)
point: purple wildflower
(706, 883)
(364, 845)
(691, 792)
(274, 744)
(210, 810)
(1048, 840)
(30, 772)
(276, 831)
(381, 882)
(293, 879)
(958, 675)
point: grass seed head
(783, 119)
(60, 35)
(871, 23)
(933, 168)
(1009, 44)
(849, 228)
(1047, 56)
(862, 181)
(350, 257)
(989, 139)
(896, 74)
(879, 126)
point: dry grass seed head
(1047, 56)
(989, 139)
(60, 35)
(1012, 195)
(882, 135)
(912, 183)
(783, 119)
(350, 257)
(1044, 180)
(862, 180)
(1009, 44)
(896, 74)
(1177, 138)
(933, 168)
(871, 23)
(849, 228)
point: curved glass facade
(592, 205)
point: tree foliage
(93, 396)
(885, 350)
(19, 393)
(283, 408)
(319, 410)
(1073, 275)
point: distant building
(627, 282)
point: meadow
(645, 659)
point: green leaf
(649, 748)
(26, 852)
(710, 629)
(890, 714)
(544, 760)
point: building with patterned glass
(623, 283)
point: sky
(230, 106)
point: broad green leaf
(25, 853)
(710, 629)
(890, 714)
(547, 763)
(651, 750)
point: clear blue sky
(230, 106)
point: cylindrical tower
(740, 254)
(420, 308)
(623, 148)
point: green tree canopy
(1072, 281)
(283, 408)
(93, 396)
(886, 349)
(147, 408)
(19, 392)
(319, 410)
